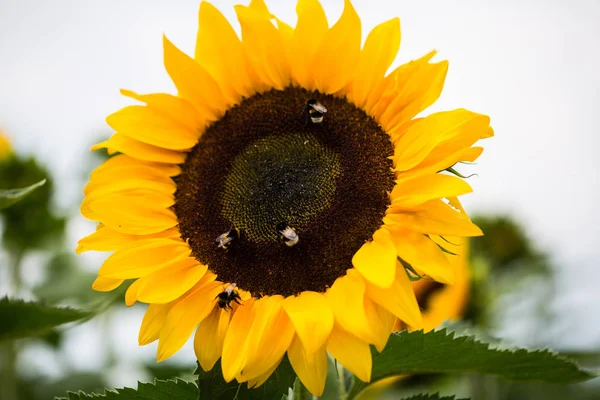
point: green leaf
(8, 197)
(441, 352)
(159, 390)
(22, 319)
(212, 386)
(33, 222)
(435, 396)
(164, 371)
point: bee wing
(319, 107)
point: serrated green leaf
(23, 319)
(159, 390)
(434, 396)
(8, 197)
(441, 352)
(213, 387)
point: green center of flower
(279, 204)
(287, 178)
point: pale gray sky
(532, 65)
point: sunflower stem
(8, 351)
(341, 380)
(301, 392)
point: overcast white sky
(533, 66)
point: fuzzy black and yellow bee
(224, 240)
(227, 296)
(315, 111)
(288, 234)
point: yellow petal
(124, 161)
(219, 50)
(235, 345)
(178, 110)
(102, 284)
(424, 255)
(399, 299)
(263, 46)
(386, 91)
(146, 125)
(167, 284)
(456, 205)
(208, 342)
(131, 294)
(347, 299)
(381, 322)
(155, 178)
(376, 260)
(261, 7)
(134, 215)
(256, 382)
(152, 323)
(440, 159)
(311, 368)
(420, 139)
(312, 318)
(185, 314)
(436, 218)
(268, 338)
(412, 192)
(310, 30)
(286, 32)
(449, 302)
(156, 192)
(106, 239)
(194, 83)
(451, 141)
(416, 87)
(143, 257)
(353, 353)
(337, 56)
(160, 193)
(377, 55)
(142, 151)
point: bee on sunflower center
(227, 296)
(224, 240)
(288, 234)
(315, 111)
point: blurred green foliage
(31, 223)
(502, 261)
(506, 247)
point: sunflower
(281, 201)
(444, 302)
(5, 147)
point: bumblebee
(315, 111)
(288, 234)
(227, 296)
(224, 240)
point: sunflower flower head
(5, 147)
(282, 201)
